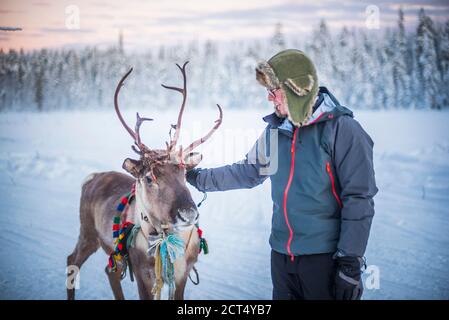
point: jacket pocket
(331, 177)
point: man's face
(277, 96)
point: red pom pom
(120, 246)
(200, 232)
(124, 200)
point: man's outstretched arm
(244, 174)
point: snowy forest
(396, 68)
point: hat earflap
(297, 89)
(306, 119)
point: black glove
(348, 284)
(191, 176)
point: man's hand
(191, 176)
(348, 283)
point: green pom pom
(204, 246)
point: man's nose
(270, 97)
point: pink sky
(47, 23)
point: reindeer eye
(148, 179)
(145, 218)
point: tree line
(365, 69)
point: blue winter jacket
(322, 180)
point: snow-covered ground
(44, 158)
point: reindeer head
(163, 201)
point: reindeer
(162, 203)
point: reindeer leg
(144, 284)
(183, 269)
(85, 247)
(142, 265)
(180, 286)
(115, 282)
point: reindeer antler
(183, 91)
(139, 120)
(177, 128)
(196, 143)
(134, 134)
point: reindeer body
(162, 205)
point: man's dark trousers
(308, 277)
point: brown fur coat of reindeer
(163, 204)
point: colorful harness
(120, 234)
(165, 248)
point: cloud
(4, 37)
(8, 11)
(65, 30)
(41, 4)
(435, 3)
(103, 5)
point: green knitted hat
(295, 73)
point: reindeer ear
(192, 159)
(133, 167)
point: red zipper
(329, 171)
(290, 178)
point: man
(322, 186)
